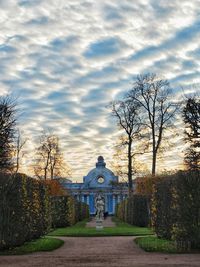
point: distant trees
(49, 159)
(7, 132)
(126, 114)
(157, 110)
(191, 117)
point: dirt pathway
(98, 252)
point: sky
(66, 60)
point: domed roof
(106, 175)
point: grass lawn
(121, 229)
(155, 244)
(42, 244)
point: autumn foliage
(55, 188)
(145, 185)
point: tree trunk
(52, 173)
(130, 182)
(17, 163)
(154, 152)
(154, 164)
(46, 167)
(45, 173)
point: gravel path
(100, 251)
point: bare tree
(58, 167)
(7, 132)
(43, 155)
(120, 159)
(20, 142)
(157, 111)
(49, 159)
(126, 113)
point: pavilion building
(99, 180)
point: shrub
(24, 209)
(162, 213)
(28, 212)
(176, 208)
(134, 210)
(67, 211)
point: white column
(88, 202)
(105, 198)
(119, 199)
(114, 204)
(82, 198)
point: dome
(100, 176)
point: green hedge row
(134, 210)
(67, 211)
(27, 211)
(175, 207)
(24, 210)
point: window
(100, 179)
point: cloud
(65, 62)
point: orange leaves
(55, 188)
(145, 185)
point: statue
(99, 205)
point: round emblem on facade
(100, 179)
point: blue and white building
(99, 180)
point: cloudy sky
(66, 60)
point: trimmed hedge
(27, 211)
(67, 211)
(162, 213)
(134, 210)
(24, 210)
(175, 208)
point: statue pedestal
(99, 224)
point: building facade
(99, 180)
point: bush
(67, 211)
(28, 212)
(176, 208)
(24, 209)
(162, 213)
(134, 210)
